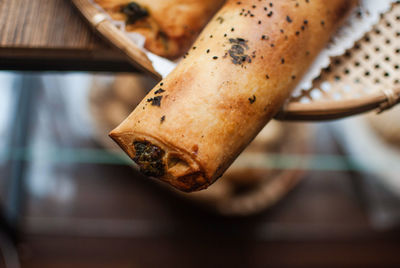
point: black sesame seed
(159, 91)
(156, 101)
(252, 99)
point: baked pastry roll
(169, 26)
(236, 77)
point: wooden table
(51, 35)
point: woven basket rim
(293, 110)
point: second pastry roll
(235, 78)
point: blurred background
(302, 195)
(67, 199)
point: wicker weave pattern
(366, 77)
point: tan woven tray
(366, 78)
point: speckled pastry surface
(237, 75)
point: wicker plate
(367, 77)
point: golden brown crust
(172, 25)
(238, 74)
